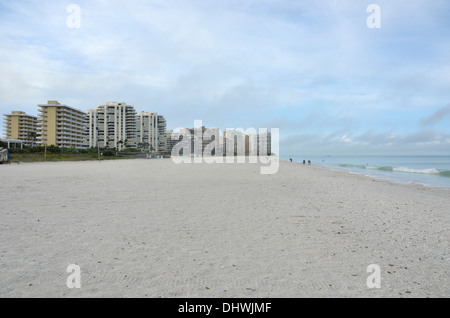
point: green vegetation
(37, 154)
(33, 154)
(130, 151)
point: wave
(347, 165)
(410, 170)
(432, 171)
(445, 173)
(384, 168)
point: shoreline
(391, 179)
(411, 184)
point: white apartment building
(249, 142)
(151, 131)
(172, 142)
(113, 125)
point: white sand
(150, 228)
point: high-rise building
(247, 143)
(113, 125)
(62, 126)
(19, 125)
(177, 137)
(151, 132)
(261, 143)
(197, 139)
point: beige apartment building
(20, 126)
(62, 126)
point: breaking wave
(433, 171)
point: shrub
(54, 149)
(12, 150)
(36, 149)
(108, 153)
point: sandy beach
(152, 228)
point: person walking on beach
(304, 162)
(290, 159)
(309, 162)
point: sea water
(428, 170)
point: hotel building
(249, 142)
(151, 131)
(113, 125)
(177, 137)
(62, 126)
(20, 126)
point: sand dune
(151, 228)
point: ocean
(427, 170)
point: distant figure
(304, 162)
(290, 159)
(309, 162)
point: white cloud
(310, 66)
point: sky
(313, 69)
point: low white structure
(15, 142)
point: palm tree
(33, 135)
(145, 146)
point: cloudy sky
(313, 69)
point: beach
(153, 228)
